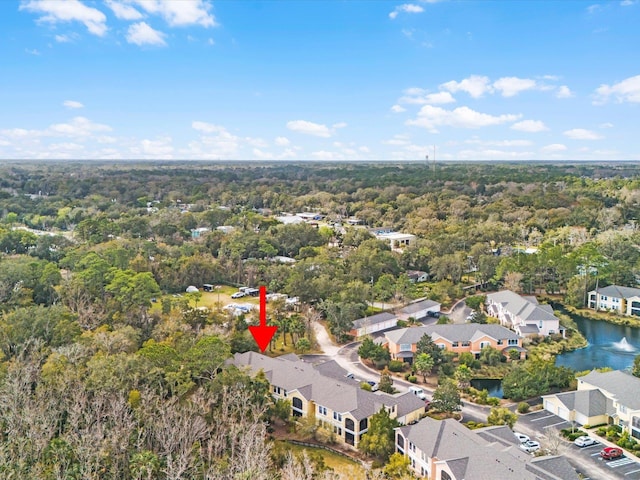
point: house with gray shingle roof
(624, 300)
(323, 392)
(523, 314)
(609, 397)
(445, 449)
(457, 338)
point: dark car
(609, 453)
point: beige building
(601, 398)
(325, 392)
(623, 300)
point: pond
(610, 345)
(492, 385)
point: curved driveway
(583, 460)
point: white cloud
(78, 127)
(142, 34)
(123, 11)
(210, 41)
(418, 96)
(532, 126)
(64, 38)
(309, 128)
(439, 98)
(582, 134)
(551, 77)
(55, 11)
(606, 125)
(554, 147)
(564, 92)
(627, 3)
(339, 125)
(215, 143)
(72, 104)
(282, 141)
(511, 86)
(591, 9)
(324, 155)
(180, 13)
(431, 117)
(499, 143)
(33, 51)
(406, 8)
(489, 154)
(627, 90)
(475, 85)
(160, 148)
(398, 109)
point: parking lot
(586, 459)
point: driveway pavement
(536, 425)
(585, 460)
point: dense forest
(107, 372)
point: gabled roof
(373, 319)
(588, 402)
(452, 332)
(522, 307)
(323, 386)
(470, 456)
(622, 385)
(619, 292)
(419, 306)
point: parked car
(585, 441)
(374, 385)
(609, 453)
(530, 446)
(238, 295)
(522, 437)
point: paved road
(537, 425)
(586, 460)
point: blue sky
(320, 80)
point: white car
(522, 437)
(584, 441)
(238, 295)
(530, 446)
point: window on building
(484, 344)
(405, 347)
(512, 341)
(322, 410)
(441, 346)
(454, 344)
(337, 416)
(500, 342)
(466, 344)
(445, 476)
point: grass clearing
(342, 465)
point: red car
(609, 453)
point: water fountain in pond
(624, 345)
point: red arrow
(263, 333)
